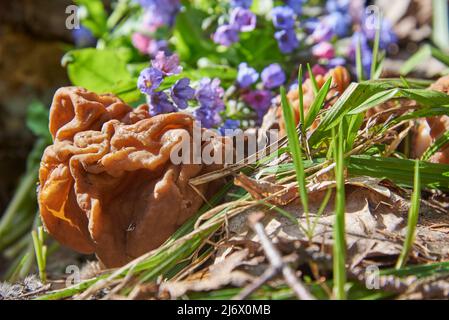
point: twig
(276, 261)
(260, 281)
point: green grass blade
(339, 248)
(437, 145)
(313, 79)
(41, 252)
(358, 61)
(413, 215)
(400, 171)
(301, 101)
(440, 32)
(317, 103)
(375, 58)
(421, 55)
(296, 152)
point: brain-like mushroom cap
(107, 184)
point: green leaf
(95, 18)
(37, 120)
(101, 71)
(354, 95)
(296, 153)
(400, 171)
(424, 113)
(339, 247)
(375, 100)
(317, 103)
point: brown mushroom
(107, 184)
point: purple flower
(323, 50)
(149, 80)
(322, 32)
(243, 19)
(309, 25)
(181, 92)
(387, 35)
(339, 22)
(209, 94)
(226, 35)
(241, 3)
(337, 5)
(296, 5)
(156, 46)
(283, 17)
(246, 75)
(208, 117)
(160, 12)
(229, 124)
(360, 37)
(260, 101)
(335, 62)
(159, 103)
(273, 76)
(169, 65)
(287, 40)
(83, 37)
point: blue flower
(337, 5)
(209, 94)
(181, 92)
(208, 117)
(241, 3)
(322, 32)
(296, 5)
(159, 103)
(335, 62)
(260, 101)
(149, 80)
(228, 125)
(83, 37)
(387, 35)
(309, 25)
(283, 17)
(226, 35)
(360, 37)
(246, 75)
(287, 40)
(273, 76)
(243, 19)
(160, 12)
(339, 22)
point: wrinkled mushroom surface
(107, 184)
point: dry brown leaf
(220, 274)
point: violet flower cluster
(151, 78)
(157, 14)
(343, 16)
(260, 99)
(209, 93)
(284, 20)
(241, 19)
